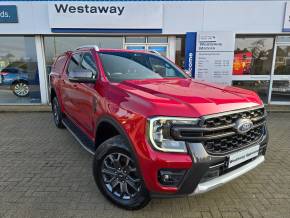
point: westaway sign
(106, 16)
(80, 9)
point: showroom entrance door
(161, 49)
(280, 75)
(148, 43)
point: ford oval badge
(243, 125)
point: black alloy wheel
(56, 112)
(118, 177)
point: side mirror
(188, 73)
(82, 76)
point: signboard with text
(214, 57)
(93, 15)
(8, 14)
(190, 52)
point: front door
(85, 96)
(68, 89)
(280, 78)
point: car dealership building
(240, 43)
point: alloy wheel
(21, 89)
(55, 112)
(120, 176)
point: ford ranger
(153, 130)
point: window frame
(70, 58)
(97, 71)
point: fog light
(170, 177)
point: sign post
(214, 57)
(190, 51)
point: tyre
(56, 112)
(20, 89)
(117, 176)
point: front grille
(226, 119)
(218, 134)
(227, 144)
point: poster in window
(242, 63)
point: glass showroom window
(281, 91)
(180, 48)
(19, 79)
(150, 43)
(253, 55)
(261, 87)
(252, 65)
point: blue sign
(190, 50)
(158, 48)
(136, 48)
(8, 14)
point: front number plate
(243, 155)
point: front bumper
(208, 172)
(219, 181)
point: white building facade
(240, 43)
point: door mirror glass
(82, 76)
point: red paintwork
(130, 103)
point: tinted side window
(10, 70)
(88, 63)
(59, 64)
(141, 59)
(163, 68)
(74, 63)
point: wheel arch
(52, 94)
(109, 122)
(101, 149)
(18, 81)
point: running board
(85, 142)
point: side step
(82, 138)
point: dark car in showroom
(19, 78)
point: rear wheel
(56, 112)
(118, 178)
(20, 89)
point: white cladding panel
(178, 17)
(256, 16)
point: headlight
(159, 133)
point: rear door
(55, 76)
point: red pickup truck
(153, 130)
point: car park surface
(44, 172)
